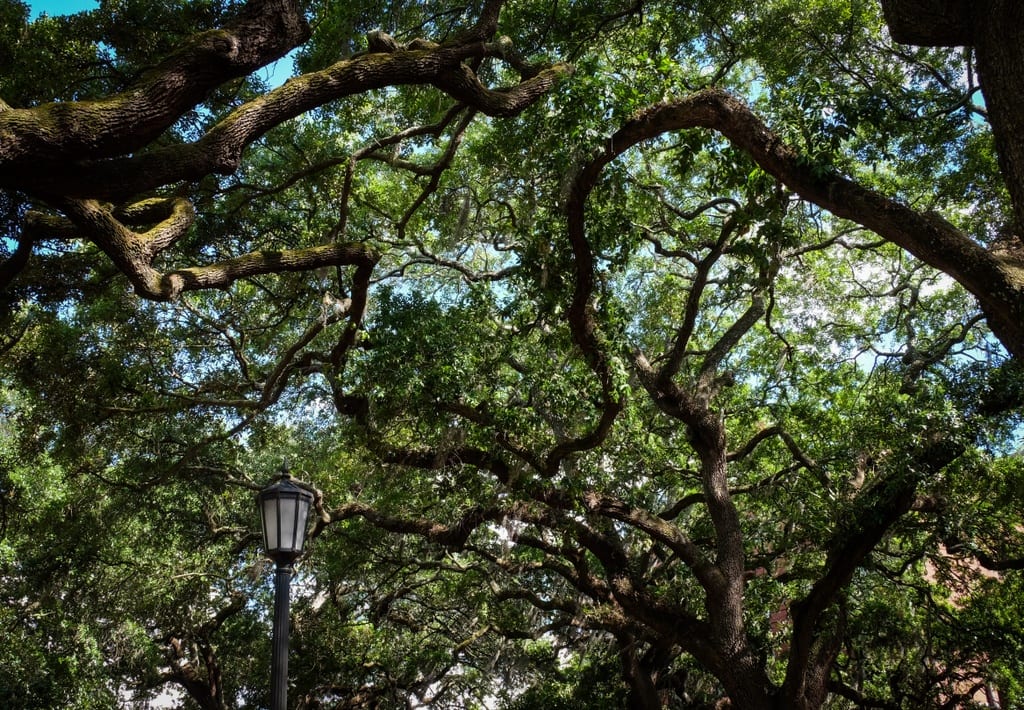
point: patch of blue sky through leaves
(275, 74)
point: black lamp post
(284, 509)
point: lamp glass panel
(270, 523)
(288, 514)
(300, 531)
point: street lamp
(284, 509)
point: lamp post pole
(284, 509)
(279, 652)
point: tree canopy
(642, 354)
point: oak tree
(642, 354)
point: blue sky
(60, 7)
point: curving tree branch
(113, 170)
(883, 504)
(78, 156)
(264, 30)
(994, 279)
(134, 252)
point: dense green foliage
(518, 505)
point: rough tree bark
(929, 23)
(79, 157)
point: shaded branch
(659, 529)
(882, 505)
(15, 263)
(220, 149)
(453, 536)
(134, 252)
(929, 237)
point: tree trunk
(741, 672)
(747, 684)
(642, 693)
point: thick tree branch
(658, 529)
(998, 564)
(454, 535)
(997, 283)
(589, 441)
(883, 505)
(220, 149)
(133, 253)
(58, 133)
(930, 23)
(222, 274)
